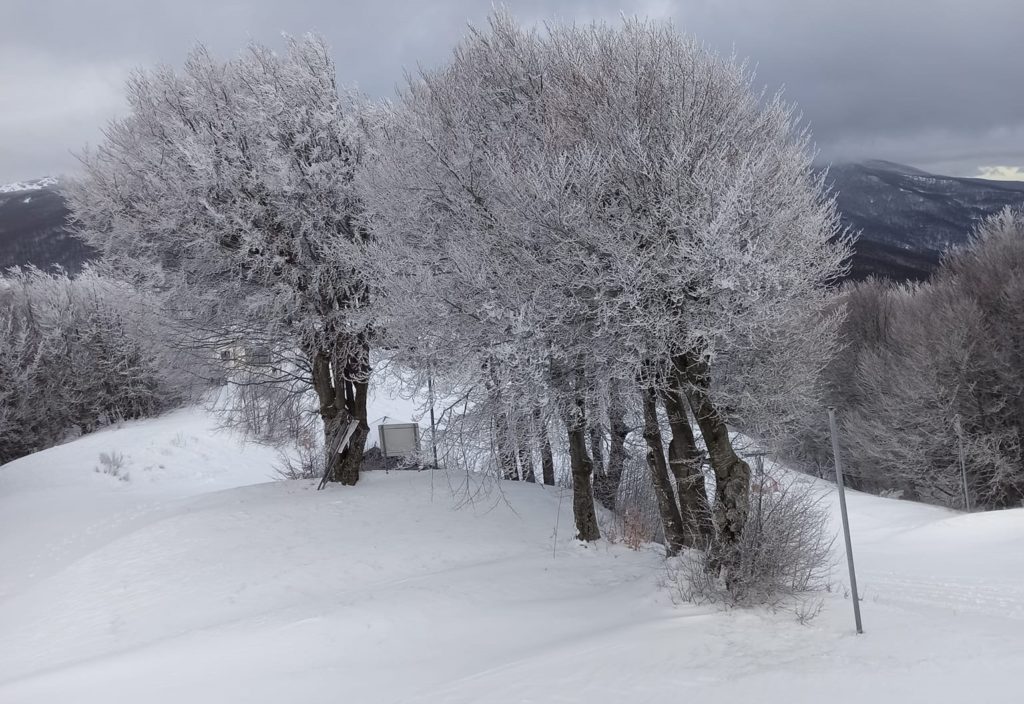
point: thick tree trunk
(732, 475)
(668, 508)
(582, 492)
(330, 414)
(351, 459)
(547, 457)
(342, 386)
(685, 462)
(582, 468)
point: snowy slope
(192, 581)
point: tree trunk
(606, 484)
(525, 449)
(342, 386)
(504, 442)
(547, 457)
(351, 460)
(597, 448)
(732, 475)
(330, 414)
(685, 462)
(505, 446)
(582, 492)
(582, 468)
(668, 508)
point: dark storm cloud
(933, 83)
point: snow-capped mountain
(33, 228)
(35, 185)
(907, 218)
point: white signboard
(399, 439)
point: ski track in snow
(999, 600)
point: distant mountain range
(906, 218)
(33, 228)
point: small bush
(636, 519)
(113, 463)
(782, 557)
(304, 461)
(635, 531)
(628, 527)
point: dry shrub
(113, 463)
(783, 556)
(635, 531)
(637, 519)
(305, 460)
(629, 528)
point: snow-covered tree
(933, 369)
(592, 207)
(75, 355)
(229, 186)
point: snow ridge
(33, 185)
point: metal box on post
(399, 439)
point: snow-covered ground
(199, 580)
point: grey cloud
(933, 83)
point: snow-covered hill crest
(33, 185)
(198, 580)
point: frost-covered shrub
(113, 463)
(782, 558)
(272, 405)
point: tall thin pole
(963, 461)
(433, 429)
(846, 518)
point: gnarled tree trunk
(732, 475)
(580, 463)
(582, 492)
(342, 385)
(668, 508)
(685, 462)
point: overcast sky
(936, 84)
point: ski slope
(200, 580)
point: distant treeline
(934, 368)
(75, 355)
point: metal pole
(963, 475)
(846, 518)
(963, 462)
(433, 433)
